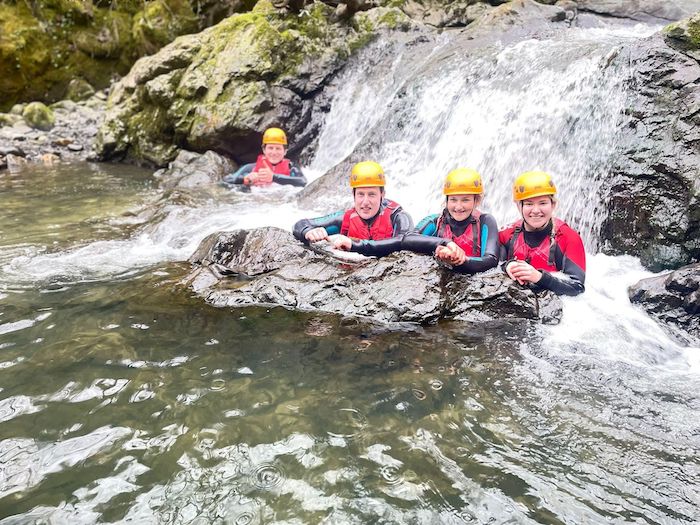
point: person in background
(461, 235)
(541, 251)
(271, 166)
(372, 219)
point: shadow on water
(133, 400)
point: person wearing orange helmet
(461, 235)
(371, 220)
(541, 251)
(271, 166)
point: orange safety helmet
(463, 181)
(367, 174)
(533, 184)
(274, 136)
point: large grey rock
(674, 299)
(654, 187)
(653, 11)
(190, 170)
(267, 266)
(218, 89)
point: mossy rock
(38, 116)
(217, 89)
(685, 34)
(9, 119)
(161, 22)
(44, 45)
(79, 89)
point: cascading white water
(552, 105)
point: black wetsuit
(566, 274)
(425, 240)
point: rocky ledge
(674, 299)
(267, 266)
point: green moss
(685, 33)
(38, 116)
(160, 22)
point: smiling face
(367, 201)
(460, 207)
(274, 152)
(537, 212)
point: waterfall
(552, 105)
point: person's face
(367, 201)
(274, 152)
(461, 206)
(537, 212)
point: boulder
(653, 191)
(674, 299)
(217, 90)
(38, 116)
(650, 11)
(79, 89)
(190, 170)
(267, 266)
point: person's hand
(265, 175)
(523, 272)
(316, 234)
(451, 254)
(341, 242)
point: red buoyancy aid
(356, 228)
(281, 168)
(470, 240)
(541, 257)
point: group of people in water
(538, 250)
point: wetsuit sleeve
(402, 222)
(295, 178)
(424, 244)
(570, 256)
(331, 223)
(490, 248)
(238, 176)
(377, 248)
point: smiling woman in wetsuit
(539, 250)
(461, 235)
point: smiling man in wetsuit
(362, 228)
(271, 166)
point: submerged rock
(267, 266)
(674, 299)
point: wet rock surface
(267, 266)
(70, 137)
(674, 299)
(191, 170)
(653, 193)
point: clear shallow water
(123, 398)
